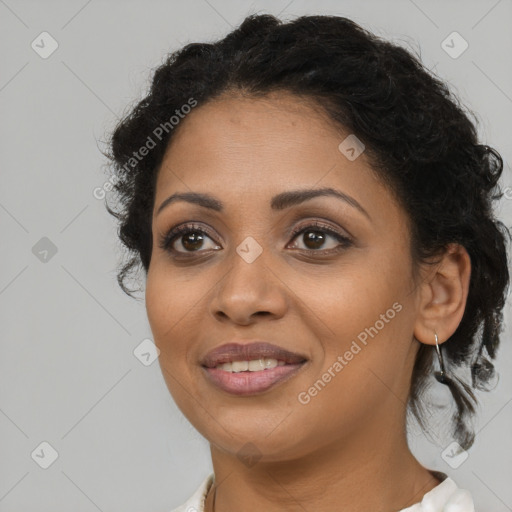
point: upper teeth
(254, 365)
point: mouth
(251, 368)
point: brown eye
(192, 241)
(315, 236)
(187, 239)
(314, 239)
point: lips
(231, 352)
(268, 366)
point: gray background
(68, 373)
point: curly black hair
(418, 138)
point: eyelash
(185, 229)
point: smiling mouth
(251, 368)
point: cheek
(175, 306)
(366, 318)
(156, 303)
(167, 306)
(169, 297)
(345, 300)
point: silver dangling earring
(441, 374)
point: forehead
(236, 144)
(277, 127)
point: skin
(346, 449)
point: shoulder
(196, 502)
(445, 497)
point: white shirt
(445, 497)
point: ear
(443, 295)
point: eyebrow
(279, 202)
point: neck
(350, 475)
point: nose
(249, 291)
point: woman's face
(345, 306)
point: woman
(313, 213)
